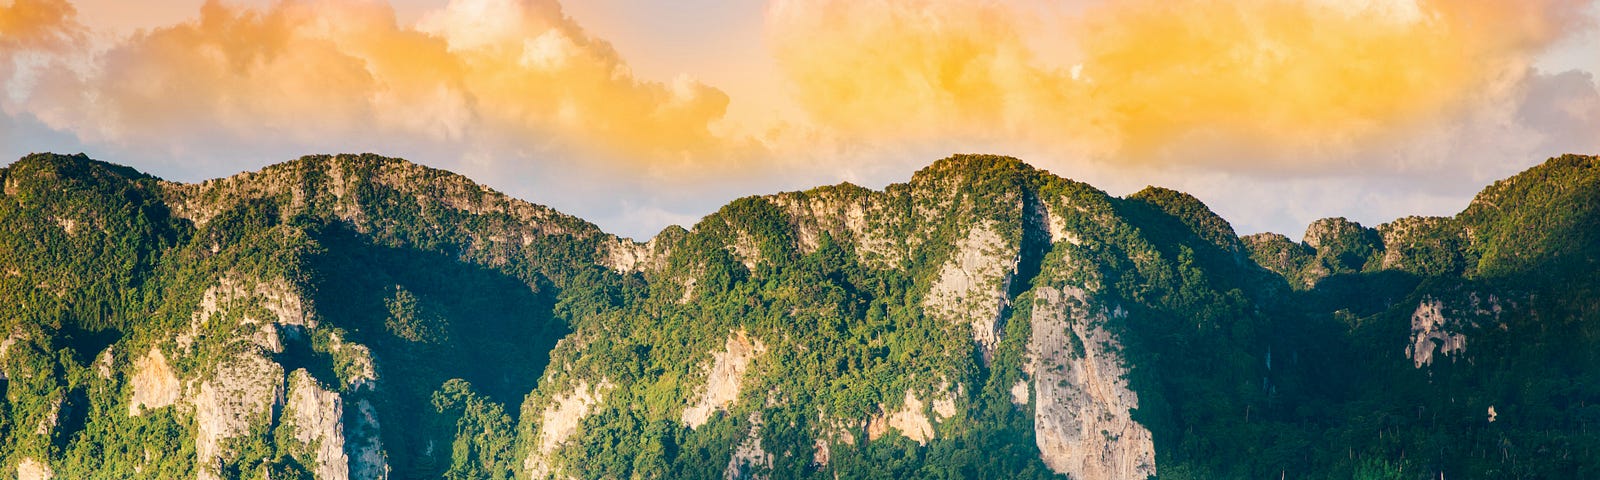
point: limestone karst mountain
(356, 316)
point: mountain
(356, 316)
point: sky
(638, 114)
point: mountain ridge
(960, 162)
(984, 305)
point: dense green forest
(357, 316)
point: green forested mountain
(356, 316)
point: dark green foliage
(1342, 246)
(1194, 215)
(1281, 256)
(412, 321)
(436, 319)
(482, 445)
(1429, 247)
(1546, 219)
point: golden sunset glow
(24, 22)
(1149, 74)
(836, 89)
(304, 69)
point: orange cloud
(36, 24)
(1305, 73)
(1152, 75)
(919, 67)
(514, 73)
(535, 68)
(1207, 82)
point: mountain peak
(976, 160)
(1543, 217)
(343, 184)
(975, 166)
(53, 167)
(1193, 213)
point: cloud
(37, 24)
(1207, 81)
(1564, 108)
(1274, 84)
(1307, 75)
(537, 68)
(884, 68)
(512, 75)
(31, 31)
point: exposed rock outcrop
(911, 420)
(358, 370)
(244, 391)
(314, 416)
(944, 400)
(276, 297)
(745, 248)
(822, 452)
(51, 418)
(104, 361)
(239, 395)
(68, 225)
(840, 211)
(624, 255)
(1432, 334)
(972, 286)
(1019, 393)
(154, 384)
(560, 420)
(30, 469)
(1082, 416)
(831, 432)
(723, 378)
(367, 458)
(750, 460)
(5, 347)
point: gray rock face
(315, 417)
(971, 288)
(749, 460)
(247, 391)
(368, 461)
(240, 395)
(723, 376)
(1439, 329)
(1082, 413)
(560, 420)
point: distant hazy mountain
(364, 317)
